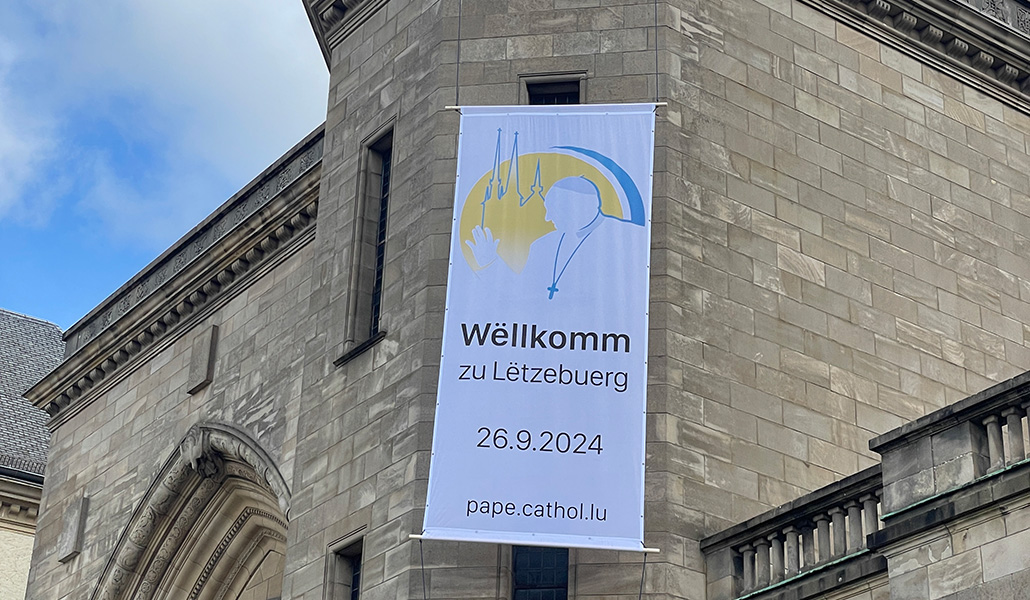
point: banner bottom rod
(419, 536)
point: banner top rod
(458, 108)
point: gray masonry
(840, 233)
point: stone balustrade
(816, 535)
(954, 447)
(960, 462)
(956, 495)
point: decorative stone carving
(194, 473)
(265, 534)
(69, 544)
(288, 173)
(982, 60)
(996, 9)
(1023, 20)
(878, 8)
(957, 48)
(332, 14)
(336, 12)
(905, 22)
(202, 360)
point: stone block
(974, 536)
(963, 439)
(908, 460)
(954, 473)
(73, 529)
(913, 585)
(202, 360)
(955, 574)
(927, 552)
(1006, 556)
(906, 491)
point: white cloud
(25, 143)
(161, 110)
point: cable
(457, 61)
(656, 51)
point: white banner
(540, 415)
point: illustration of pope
(574, 250)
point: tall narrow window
(343, 573)
(384, 150)
(540, 573)
(369, 279)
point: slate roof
(29, 350)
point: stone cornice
(252, 232)
(223, 221)
(983, 43)
(333, 20)
(19, 504)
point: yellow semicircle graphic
(517, 218)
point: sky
(123, 123)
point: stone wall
(15, 555)
(956, 494)
(836, 251)
(115, 447)
(976, 557)
(364, 432)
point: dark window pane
(540, 573)
(555, 92)
(384, 200)
(355, 578)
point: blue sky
(123, 123)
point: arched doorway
(211, 527)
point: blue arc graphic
(636, 203)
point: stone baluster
(761, 563)
(1026, 411)
(995, 447)
(855, 538)
(822, 524)
(748, 552)
(1014, 420)
(808, 544)
(792, 551)
(872, 521)
(776, 555)
(839, 532)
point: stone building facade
(840, 233)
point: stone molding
(200, 465)
(19, 504)
(244, 238)
(333, 20)
(986, 48)
(230, 536)
(196, 243)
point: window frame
(543, 78)
(364, 320)
(339, 568)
